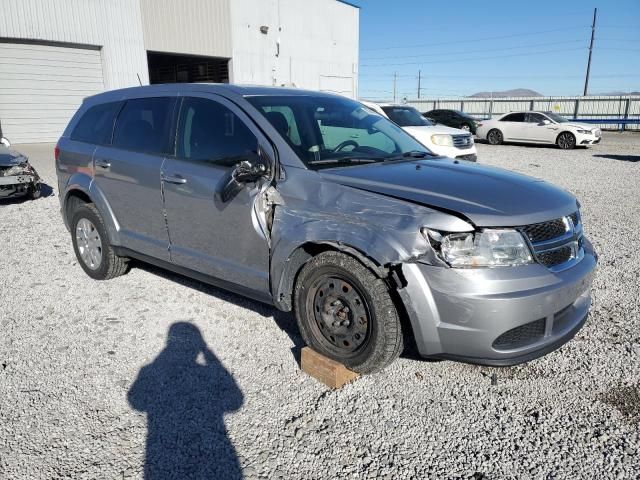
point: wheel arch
(82, 189)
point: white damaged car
(441, 140)
(538, 127)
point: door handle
(179, 179)
(102, 163)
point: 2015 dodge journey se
(317, 205)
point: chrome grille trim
(556, 244)
(462, 141)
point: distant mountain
(516, 92)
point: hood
(432, 129)
(489, 197)
(582, 126)
(9, 158)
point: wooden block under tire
(333, 374)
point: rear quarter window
(96, 124)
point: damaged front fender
(381, 231)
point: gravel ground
(90, 386)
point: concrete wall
(197, 27)
(310, 44)
(115, 26)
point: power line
(484, 50)
(460, 60)
(475, 40)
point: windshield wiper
(345, 160)
(411, 154)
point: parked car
(442, 140)
(18, 178)
(538, 127)
(314, 204)
(453, 118)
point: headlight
(442, 140)
(15, 170)
(488, 248)
(587, 132)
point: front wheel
(346, 313)
(495, 137)
(566, 141)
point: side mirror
(544, 122)
(246, 171)
(5, 141)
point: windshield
(406, 116)
(325, 131)
(555, 117)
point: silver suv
(314, 204)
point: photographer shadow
(185, 393)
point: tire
(494, 137)
(89, 235)
(466, 127)
(346, 313)
(566, 141)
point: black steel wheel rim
(339, 315)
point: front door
(226, 240)
(538, 130)
(513, 127)
(127, 172)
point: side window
(514, 117)
(535, 118)
(96, 125)
(143, 125)
(210, 132)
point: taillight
(56, 152)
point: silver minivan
(314, 204)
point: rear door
(513, 127)
(225, 240)
(128, 172)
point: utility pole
(419, 78)
(593, 31)
(395, 77)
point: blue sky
(463, 47)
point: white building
(53, 53)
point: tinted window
(209, 131)
(143, 125)
(514, 117)
(535, 118)
(96, 125)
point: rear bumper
(500, 316)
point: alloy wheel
(89, 243)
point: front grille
(540, 232)
(462, 141)
(556, 242)
(555, 257)
(520, 336)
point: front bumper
(16, 185)
(453, 152)
(500, 316)
(585, 139)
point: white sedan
(441, 140)
(538, 127)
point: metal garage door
(41, 86)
